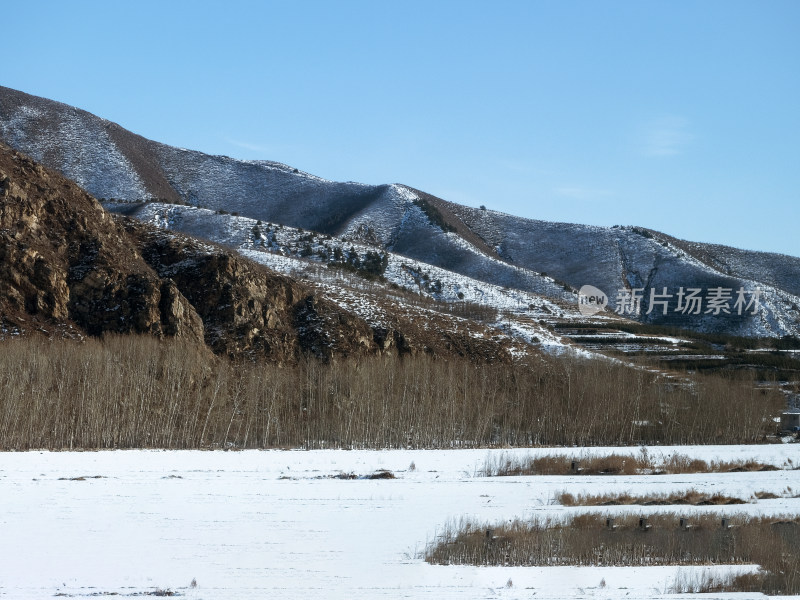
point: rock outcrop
(66, 264)
(247, 309)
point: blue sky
(679, 116)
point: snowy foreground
(271, 524)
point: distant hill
(552, 260)
(69, 268)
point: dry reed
(630, 540)
(613, 464)
(689, 497)
(138, 392)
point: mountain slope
(487, 246)
(70, 268)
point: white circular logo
(591, 300)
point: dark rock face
(250, 311)
(247, 309)
(65, 262)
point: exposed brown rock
(247, 309)
(65, 262)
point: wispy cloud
(579, 192)
(667, 136)
(247, 146)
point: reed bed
(614, 464)
(139, 392)
(690, 497)
(596, 539)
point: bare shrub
(679, 463)
(701, 583)
(766, 495)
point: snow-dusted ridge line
(522, 317)
(238, 232)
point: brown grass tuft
(690, 497)
(614, 464)
(659, 539)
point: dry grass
(380, 474)
(138, 392)
(680, 463)
(588, 539)
(766, 495)
(614, 464)
(691, 497)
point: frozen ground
(272, 524)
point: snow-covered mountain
(224, 199)
(69, 268)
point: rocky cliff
(66, 264)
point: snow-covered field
(273, 524)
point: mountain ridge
(69, 268)
(485, 245)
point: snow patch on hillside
(81, 146)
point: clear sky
(679, 116)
